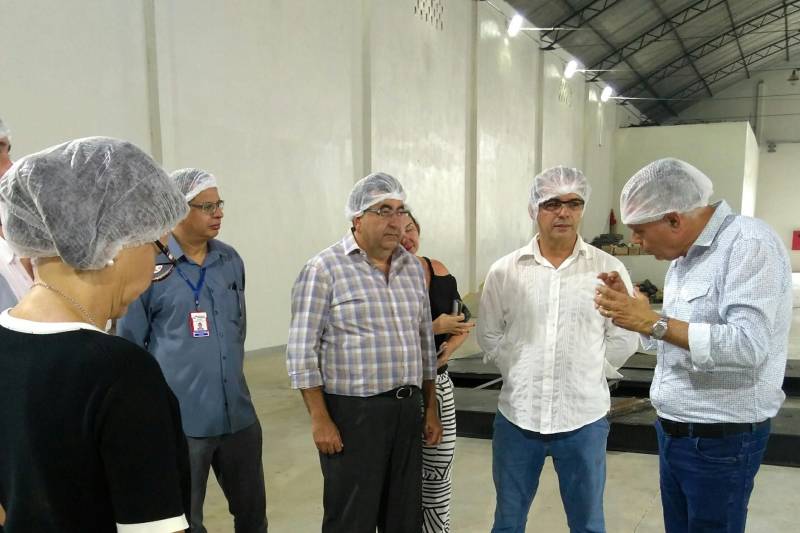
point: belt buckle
(403, 392)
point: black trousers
(236, 460)
(376, 481)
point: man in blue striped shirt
(721, 340)
(361, 351)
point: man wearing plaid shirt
(361, 351)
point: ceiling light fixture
(516, 22)
(606, 94)
(570, 69)
(515, 25)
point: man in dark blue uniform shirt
(194, 324)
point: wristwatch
(659, 329)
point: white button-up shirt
(538, 324)
(734, 288)
(15, 276)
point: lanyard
(195, 288)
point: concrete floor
(294, 482)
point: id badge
(198, 324)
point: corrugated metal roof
(675, 52)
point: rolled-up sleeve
(427, 343)
(310, 312)
(751, 296)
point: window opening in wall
(430, 11)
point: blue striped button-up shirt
(205, 373)
(353, 331)
(734, 288)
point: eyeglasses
(555, 205)
(163, 270)
(209, 208)
(388, 212)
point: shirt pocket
(351, 310)
(696, 301)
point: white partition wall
(289, 102)
(719, 150)
(778, 193)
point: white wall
(777, 111)
(750, 182)
(290, 102)
(264, 103)
(562, 140)
(419, 77)
(600, 121)
(507, 140)
(778, 194)
(72, 71)
(775, 117)
(718, 150)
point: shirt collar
(721, 211)
(214, 250)
(533, 250)
(351, 246)
(7, 255)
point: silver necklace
(86, 314)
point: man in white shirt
(539, 325)
(721, 341)
(15, 278)
(16, 274)
(5, 148)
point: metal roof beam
(753, 24)
(733, 67)
(654, 34)
(578, 18)
(641, 79)
(785, 28)
(738, 42)
(683, 45)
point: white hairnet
(85, 200)
(370, 190)
(193, 181)
(554, 182)
(664, 186)
(4, 131)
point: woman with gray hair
(92, 436)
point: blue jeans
(706, 482)
(579, 458)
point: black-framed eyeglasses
(388, 212)
(163, 269)
(209, 208)
(555, 204)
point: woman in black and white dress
(450, 332)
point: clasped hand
(629, 312)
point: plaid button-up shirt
(353, 331)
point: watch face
(659, 329)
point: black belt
(401, 393)
(708, 431)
